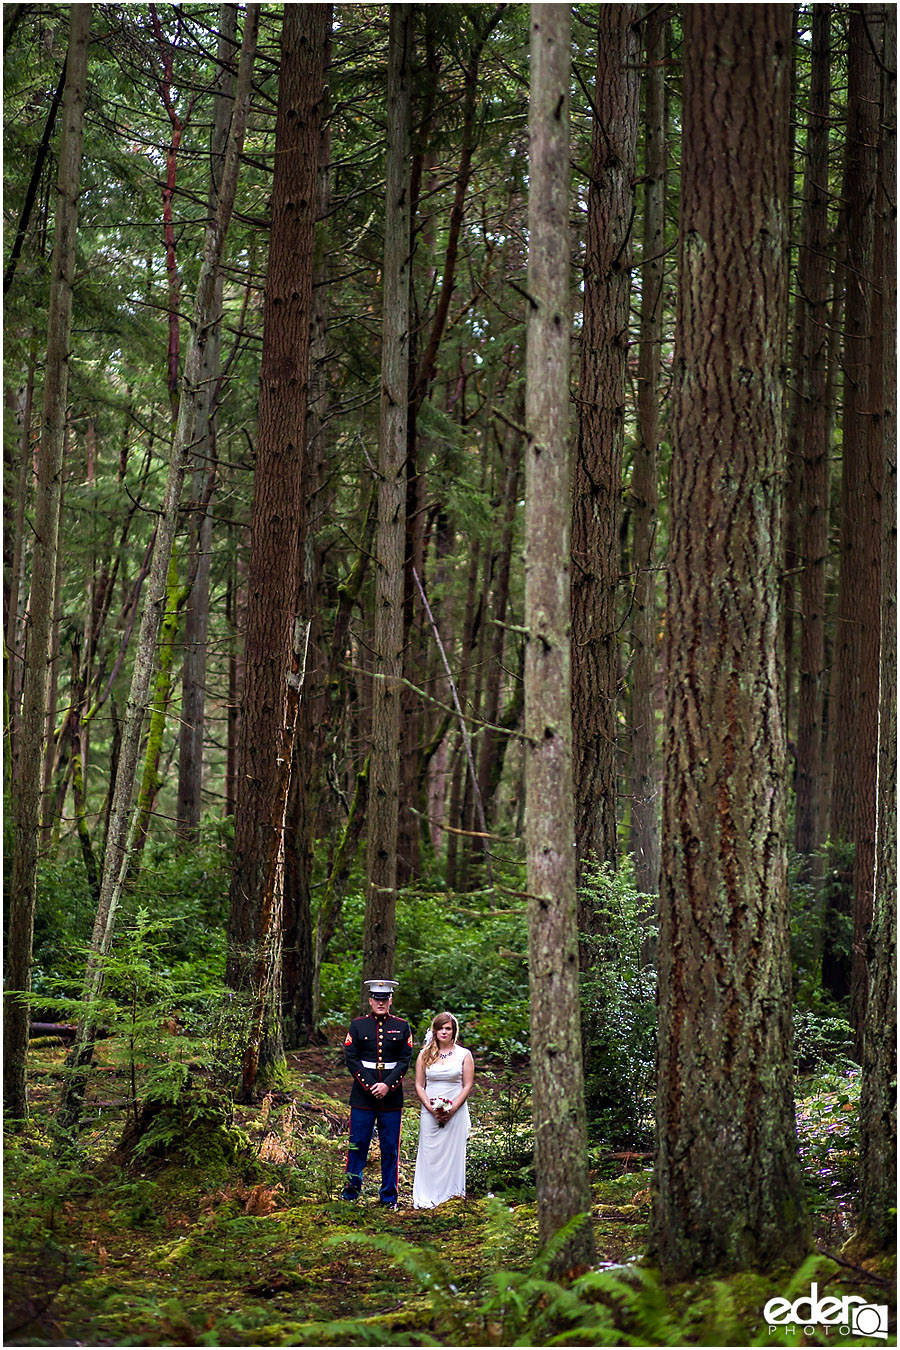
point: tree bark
(437, 774)
(14, 573)
(384, 780)
(151, 778)
(728, 1189)
(120, 833)
(272, 655)
(811, 385)
(49, 818)
(644, 843)
(835, 325)
(456, 852)
(601, 439)
(315, 724)
(560, 1132)
(868, 615)
(235, 673)
(855, 659)
(27, 787)
(501, 560)
(878, 1098)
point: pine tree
(725, 1110)
(644, 843)
(878, 1098)
(276, 634)
(384, 781)
(597, 495)
(560, 1133)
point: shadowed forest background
(450, 535)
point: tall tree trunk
(196, 621)
(298, 973)
(644, 843)
(121, 829)
(473, 851)
(601, 438)
(384, 774)
(560, 1131)
(793, 479)
(273, 658)
(438, 764)
(868, 615)
(235, 681)
(456, 852)
(725, 1110)
(835, 324)
(501, 561)
(425, 79)
(27, 787)
(812, 419)
(334, 716)
(414, 658)
(49, 818)
(856, 647)
(878, 1096)
(151, 778)
(14, 573)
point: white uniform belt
(370, 1064)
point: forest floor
(253, 1247)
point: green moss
(244, 1250)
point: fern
(626, 1305)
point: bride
(445, 1075)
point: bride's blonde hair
(432, 1049)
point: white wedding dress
(441, 1160)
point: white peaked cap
(380, 986)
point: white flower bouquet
(442, 1107)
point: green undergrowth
(250, 1244)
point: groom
(378, 1048)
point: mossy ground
(255, 1248)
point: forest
(450, 537)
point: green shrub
(449, 955)
(805, 899)
(820, 1040)
(63, 919)
(186, 890)
(828, 1136)
(619, 1009)
(178, 1084)
(500, 1153)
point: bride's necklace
(445, 1054)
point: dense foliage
(171, 1180)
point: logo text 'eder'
(851, 1313)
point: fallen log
(63, 1031)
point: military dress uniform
(377, 1049)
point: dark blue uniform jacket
(378, 1050)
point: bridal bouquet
(442, 1106)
